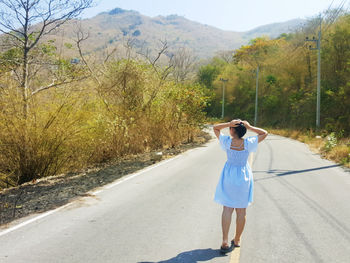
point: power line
(333, 18)
(329, 7)
(335, 15)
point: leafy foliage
(79, 124)
(287, 80)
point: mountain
(273, 30)
(118, 25)
(111, 29)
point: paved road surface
(301, 213)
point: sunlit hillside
(110, 29)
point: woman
(235, 187)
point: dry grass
(133, 111)
(50, 192)
(340, 152)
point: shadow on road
(192, 256)
(278, 173)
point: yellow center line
(236, 253)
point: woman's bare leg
(226, 222)
(240, 222)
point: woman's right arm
(262, 134)
(218, 127)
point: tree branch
(53, 84)
(161, 51)
(109, 55)
(80, 39)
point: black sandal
(225, 250)
(233, 243)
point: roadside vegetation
(329, 146)
(59, 114)
(287, 85)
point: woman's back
(236, 157)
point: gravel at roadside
(51, 192)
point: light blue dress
(235, 187)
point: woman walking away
(235, 188)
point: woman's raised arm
(262, 134)
(218, 127)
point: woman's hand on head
(235, 123)
(246, 124)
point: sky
(233, 15)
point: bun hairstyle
(240, 130)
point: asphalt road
(166, 213)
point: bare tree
(226, 55)
(163, 71)
(183, 63)
(26, 22)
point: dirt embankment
(49, 193)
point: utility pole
(223, 97)
(318, 48)
(256, 96)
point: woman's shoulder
(224, 137)
(252, 143)
(225, 141)
(252, 138)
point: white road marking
(126, 178)
(119, 181)
(32, 220)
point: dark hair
(240, 130)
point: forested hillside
(287, 79)
(114, 28)
(287, 86)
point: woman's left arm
(262, 134)
(221, 126)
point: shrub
(78, 125)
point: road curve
(167, 214)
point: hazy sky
(235, 15)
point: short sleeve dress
(235, 186)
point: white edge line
(128, 177)
(32, 220)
